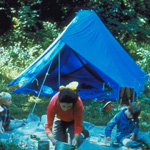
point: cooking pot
(63, 146)
(43, 145)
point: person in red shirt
(65, 116)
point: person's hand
(75, 140)
(108, 138)
(132, 137)
(51, 137)
(53, 141)
(125, 141)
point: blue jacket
(125, 126)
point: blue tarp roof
(89, 54)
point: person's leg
(59, 130)
(143, 137)
(127, 142)
(71, 132)
(15, 124)
(130, 143)
(71, 129)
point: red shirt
(75, 114)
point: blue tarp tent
(88, 53)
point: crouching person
(128, 127)
(65, 116)
(7, 122)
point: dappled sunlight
(33, 99)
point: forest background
(28, 27)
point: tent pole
(42, 85)
(58, 69)
(103, 86)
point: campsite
(102, 52)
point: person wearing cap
(7, 122)
(127, 127)
(65, 116)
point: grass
(24, 104)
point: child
(127, 127)
(7, 122)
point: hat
(72, 85)
(135, 109)
(4, 95)
(107, 106)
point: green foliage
(17, 56)
(122, 19)
(23, 48)
(125, 19)
(145, 115)
(139, 51)
(144, 60)
(27, 18)
(145, 96)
